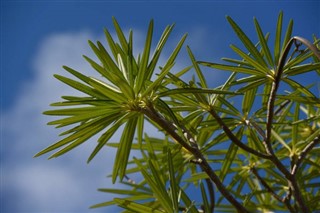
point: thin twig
(271, 191)
(310, 46)
(252, 123)
(304, 153)
(282, 105)
(265, 184)
(234, 139)
(296, 50)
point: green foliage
(250, 144)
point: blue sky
(38, 37)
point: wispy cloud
(66, 184)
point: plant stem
(223, 190)
(270, 113)
(150, 112)
(234, 139)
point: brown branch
(282, 106)
(167, 126)
(265, 184)
(298, 196)
(271, 101)
(311, 46)
(223, 190)
(194, 144)
(276, 83)
(252, 123)
(150, 112)
(234, 139)
(270, 114)
(271, 191)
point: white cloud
(65, 184)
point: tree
(251, 144)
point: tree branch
(150, 112)
(223, 190)
(234, 139)
(297, 194)
(194, 144)
(270, 114)
(310, 46)
(270, 190)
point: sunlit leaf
(175, 52)
(135, 207)
(244, 70)
(143, 68)
(121, 37)
(155, 84)
(281, 140)
(196, 90)
(277, 41)
(206, 204)
(252, 85)
(301, 99)
(297, 61)
(104, 138)
(256, 65)
(300, 69)
(190, 207)
(229, 157)
(203, 82)
(247, 42)
(288, 34)
(155, 58)
(157, 186)
(123, 151)
(81, 117)
(173, 184)
(295, 127)
(108, 90)
(263, 43)
(248, 100)
(79, 86)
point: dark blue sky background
(38, 37)
(26, 23)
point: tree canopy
(250, 144)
